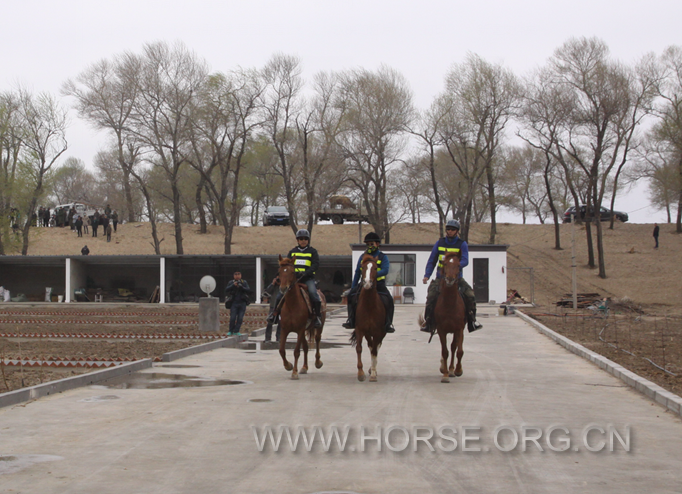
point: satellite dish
(207, 284)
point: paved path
(200, 439)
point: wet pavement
(519, 389)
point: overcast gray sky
(45, 42)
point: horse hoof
(372, 379)
(294, 377)
(288, 366)
(451, 373)
(445, 380)
(443, 370)
(318, 364)
(361, 377)
(304, 370)
(459, 374)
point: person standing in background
(656, 230)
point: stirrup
(318, 322)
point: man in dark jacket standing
(656, 230)
(240, 291)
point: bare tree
(44, 123)
(281, 104)
(170, 78)
(11, 136)
(607, 105)
(669, 110)
(222, 121)
(105, 96)
(377, 111)
(482, 97)
(73, 182)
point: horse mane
(285, 261)
(367, 257)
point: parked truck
(341, 209)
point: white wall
(497, 260)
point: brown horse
(450, 316)
(294, 318)
(370, 317)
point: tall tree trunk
(600, 250)
(129, 195)
(200, 205)
(177, 216)
(493, 204)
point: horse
(294, 318)
(450, 316)
(370, 317)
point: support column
(162, 280)
(259, 279)
(68, 289)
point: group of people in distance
(306, 261)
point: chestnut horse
(294, 318)
(370, 317)
(450, 316)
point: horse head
(287, 272)
(369, 271)
(451, 267)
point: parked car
(275, 215)
(605, 214)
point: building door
(481, 280)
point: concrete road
(201, 439)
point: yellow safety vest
(441, 254)
(302, 261)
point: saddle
(306, 296)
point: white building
(486, 272)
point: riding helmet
(372, 237)
(453, 224)
(303, 233)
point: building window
(403, 270)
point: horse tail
(353, 338)
(310, 331)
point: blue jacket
(382, 262)
(442, 246)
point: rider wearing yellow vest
(306, 261)
(450, 243)
(373, 242)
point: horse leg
(318, 337)
(358, 350)
(374, 350)
(304, 344)
(282, 350)
(453, 347)
(460, 352)
(444, 356)
(297, 353)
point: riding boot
(472, 323)
(350, 323)
(427, 327)
(317, 309)
(390, 309)
(268, 332)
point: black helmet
(372, 237)
(303, 233)
(453, 224)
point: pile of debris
(585, 300)
(514, 297)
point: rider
(306, 261)
(450, 243)
(373, 242)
